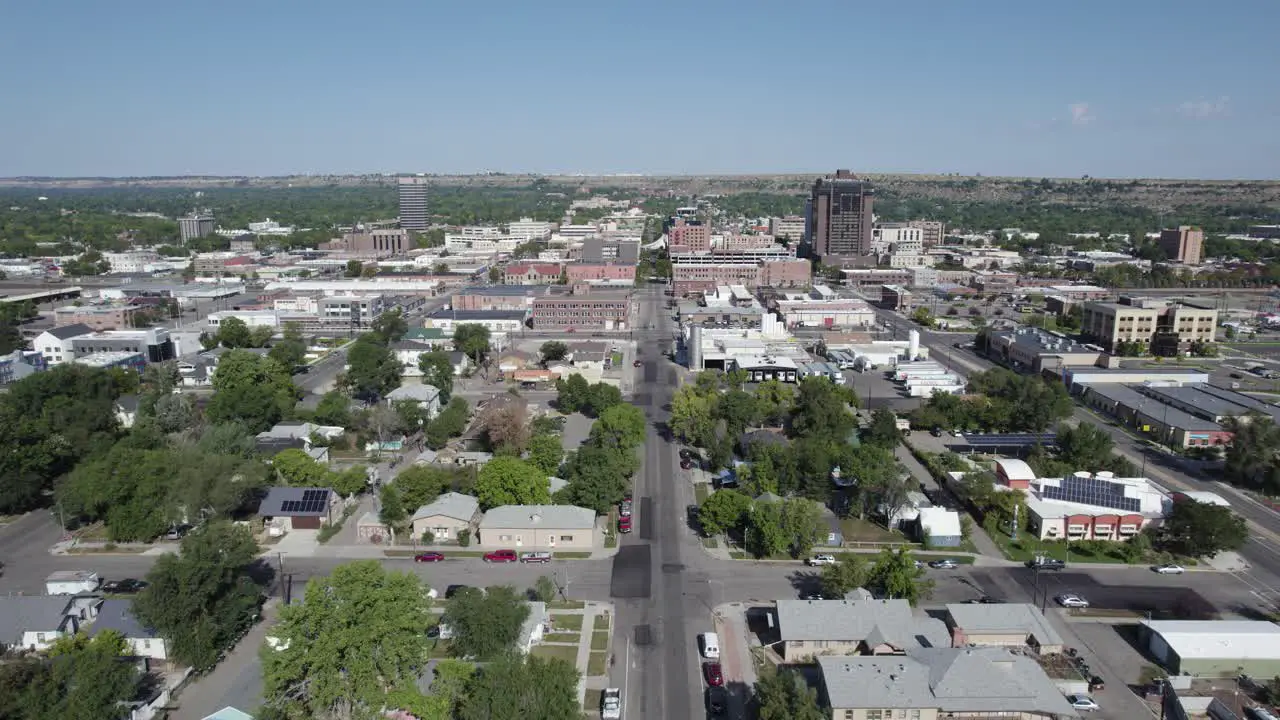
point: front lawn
(567, 653)
(597, 664)
(701, 492)
(858, 530)
(600, 640)
(567, 622)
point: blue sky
(1169, 88)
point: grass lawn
(566, 622)
(109, 549)
(597, 664)
(566, 653)
(739, 555)
(701, 492)
(571, 555)
(439, 649)
(566, 605)
(611, 541)
(601, 623)
(600, 640)
(562, 637)
(710, 542)
(1027, 547)
(591, 701)
(856, 530)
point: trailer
(72, 582)
(935, 380)
(928, 390)
(904, 371)
(906, 375)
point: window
(39, 637)
(566, 538)
(875, 715)
(504, 538)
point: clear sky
(1108, 88)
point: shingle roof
(857, 620)
(420, 393)
(451, 505)
(568, 517)
(118, 615)
(67, 332)
(19, 613)
(1004, 618)
(953, 680)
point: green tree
(850, 572)
(485, 624)
(573, 394)
(472, 340)
(598, 476)
(419, 485)
(495, 274)
(1197, 529)
(448, 424)
(784, 695)
(602, 397)
(355, 268)
(202, 599)
(526, 687)
(511, 481)
(291, 351)
(372, 368)
(883, 430)
(234, 333)
(334, 409)
(774, 401)
(822, 410)
(390, 325)
(620, 426)
(803, 525)
(295, 467)
(553, 350)
(765, 535)
(127, 487)
(351, 481)
(692, 420)
(546, 453)
(723, 511)
(250, 389)
(895, 575)
(359, 634)
(392, 510)
(1253, 460)
(544, 589)
(260, 336)
(922, 316)
(738, 409)
(84, 679)
(437, 371)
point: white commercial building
(377, 286)
(896, 238)
(530, 229)
(130, 262)
(252, 318)
(1084, 506)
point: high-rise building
(195, 225)
(413, 203)
(933, 231)
(1184, 245)
(841, 216)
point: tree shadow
(806, 582)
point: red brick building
(532, 274)
(683, 237)
(582, 309)
(600, 272)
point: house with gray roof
(446, 515)
(143, 641)
(1020, 625)
(542, 527)
(941, 682)
(426, 396)
(34, 622)
(861, 626)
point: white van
(709, 644)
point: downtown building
(841, 218)
(413, 203)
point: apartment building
(934, 232)
(532, 274)
(896, 238)
(907, 260)
(1165, 330)
(1184, 244)
(794, 273)
(130, 262)
(842, 217)
(735, 241)
(96, 317)
(600, 249)
(684, 237)
(601, 272)
(195, 226)
(790, 227)
(583, 308)
(379, 242)
(153, 344)
(531, 229)
(413, 203)
(691, 278)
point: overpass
(44, 296)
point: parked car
(1169, 569)
(936, 432)
(624, 524)
(128, 586)
(1083, 702)
(1043, 563)
(428, 557)
(686, 465)
(944, 564)
(686, 454)
(1096, 683)
(454, 590)
(821, 560)
(712, 672)
(535, 557)
(624, 508)
(501, 556)
(1071, 600)
(984, 600)
(717, 700)
(637, 363)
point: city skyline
(1146, 89)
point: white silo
(694, 350)
(913, 344)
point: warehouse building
(1215, 648)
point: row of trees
(599, 471)
(358, 644)
(1003, 401)
(767, 527)
(891, 574)
(575, 394)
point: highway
(1263, 549)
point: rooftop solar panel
(1010, 439)
(1092, 491)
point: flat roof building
(1183, 244)
(842, 216)
(413, 203)
(1222, 648)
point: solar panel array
(1092, 491)
(1010, 439)
(313, 501)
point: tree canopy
(507, 480)
(472, 340)
(252, 390)
(372, 368)
(1196, 529)
(437, 371)
(485, 624)
(82, 678)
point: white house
(55, 344)
(34, 622)
(118, 615)
(534, 627)
(427, 397)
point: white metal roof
(1220, 639)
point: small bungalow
(143, 641)
(564, 527)
(426, 396)
(289, 508)
(446, 515)
(34, 622)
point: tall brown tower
(842, 216)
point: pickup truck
(611, 704)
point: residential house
(143, 641)
(289, 508)
(1019, 625)
(407, 353)
(426, 396)
(534, 627)
(34, 622)
(229, 713)
(942, 682)
(808, 628)
(564, 527)
(286, 435)
(445, 516)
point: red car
(428, 557)
(624, 524)
(501, 556)
(711, 671)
